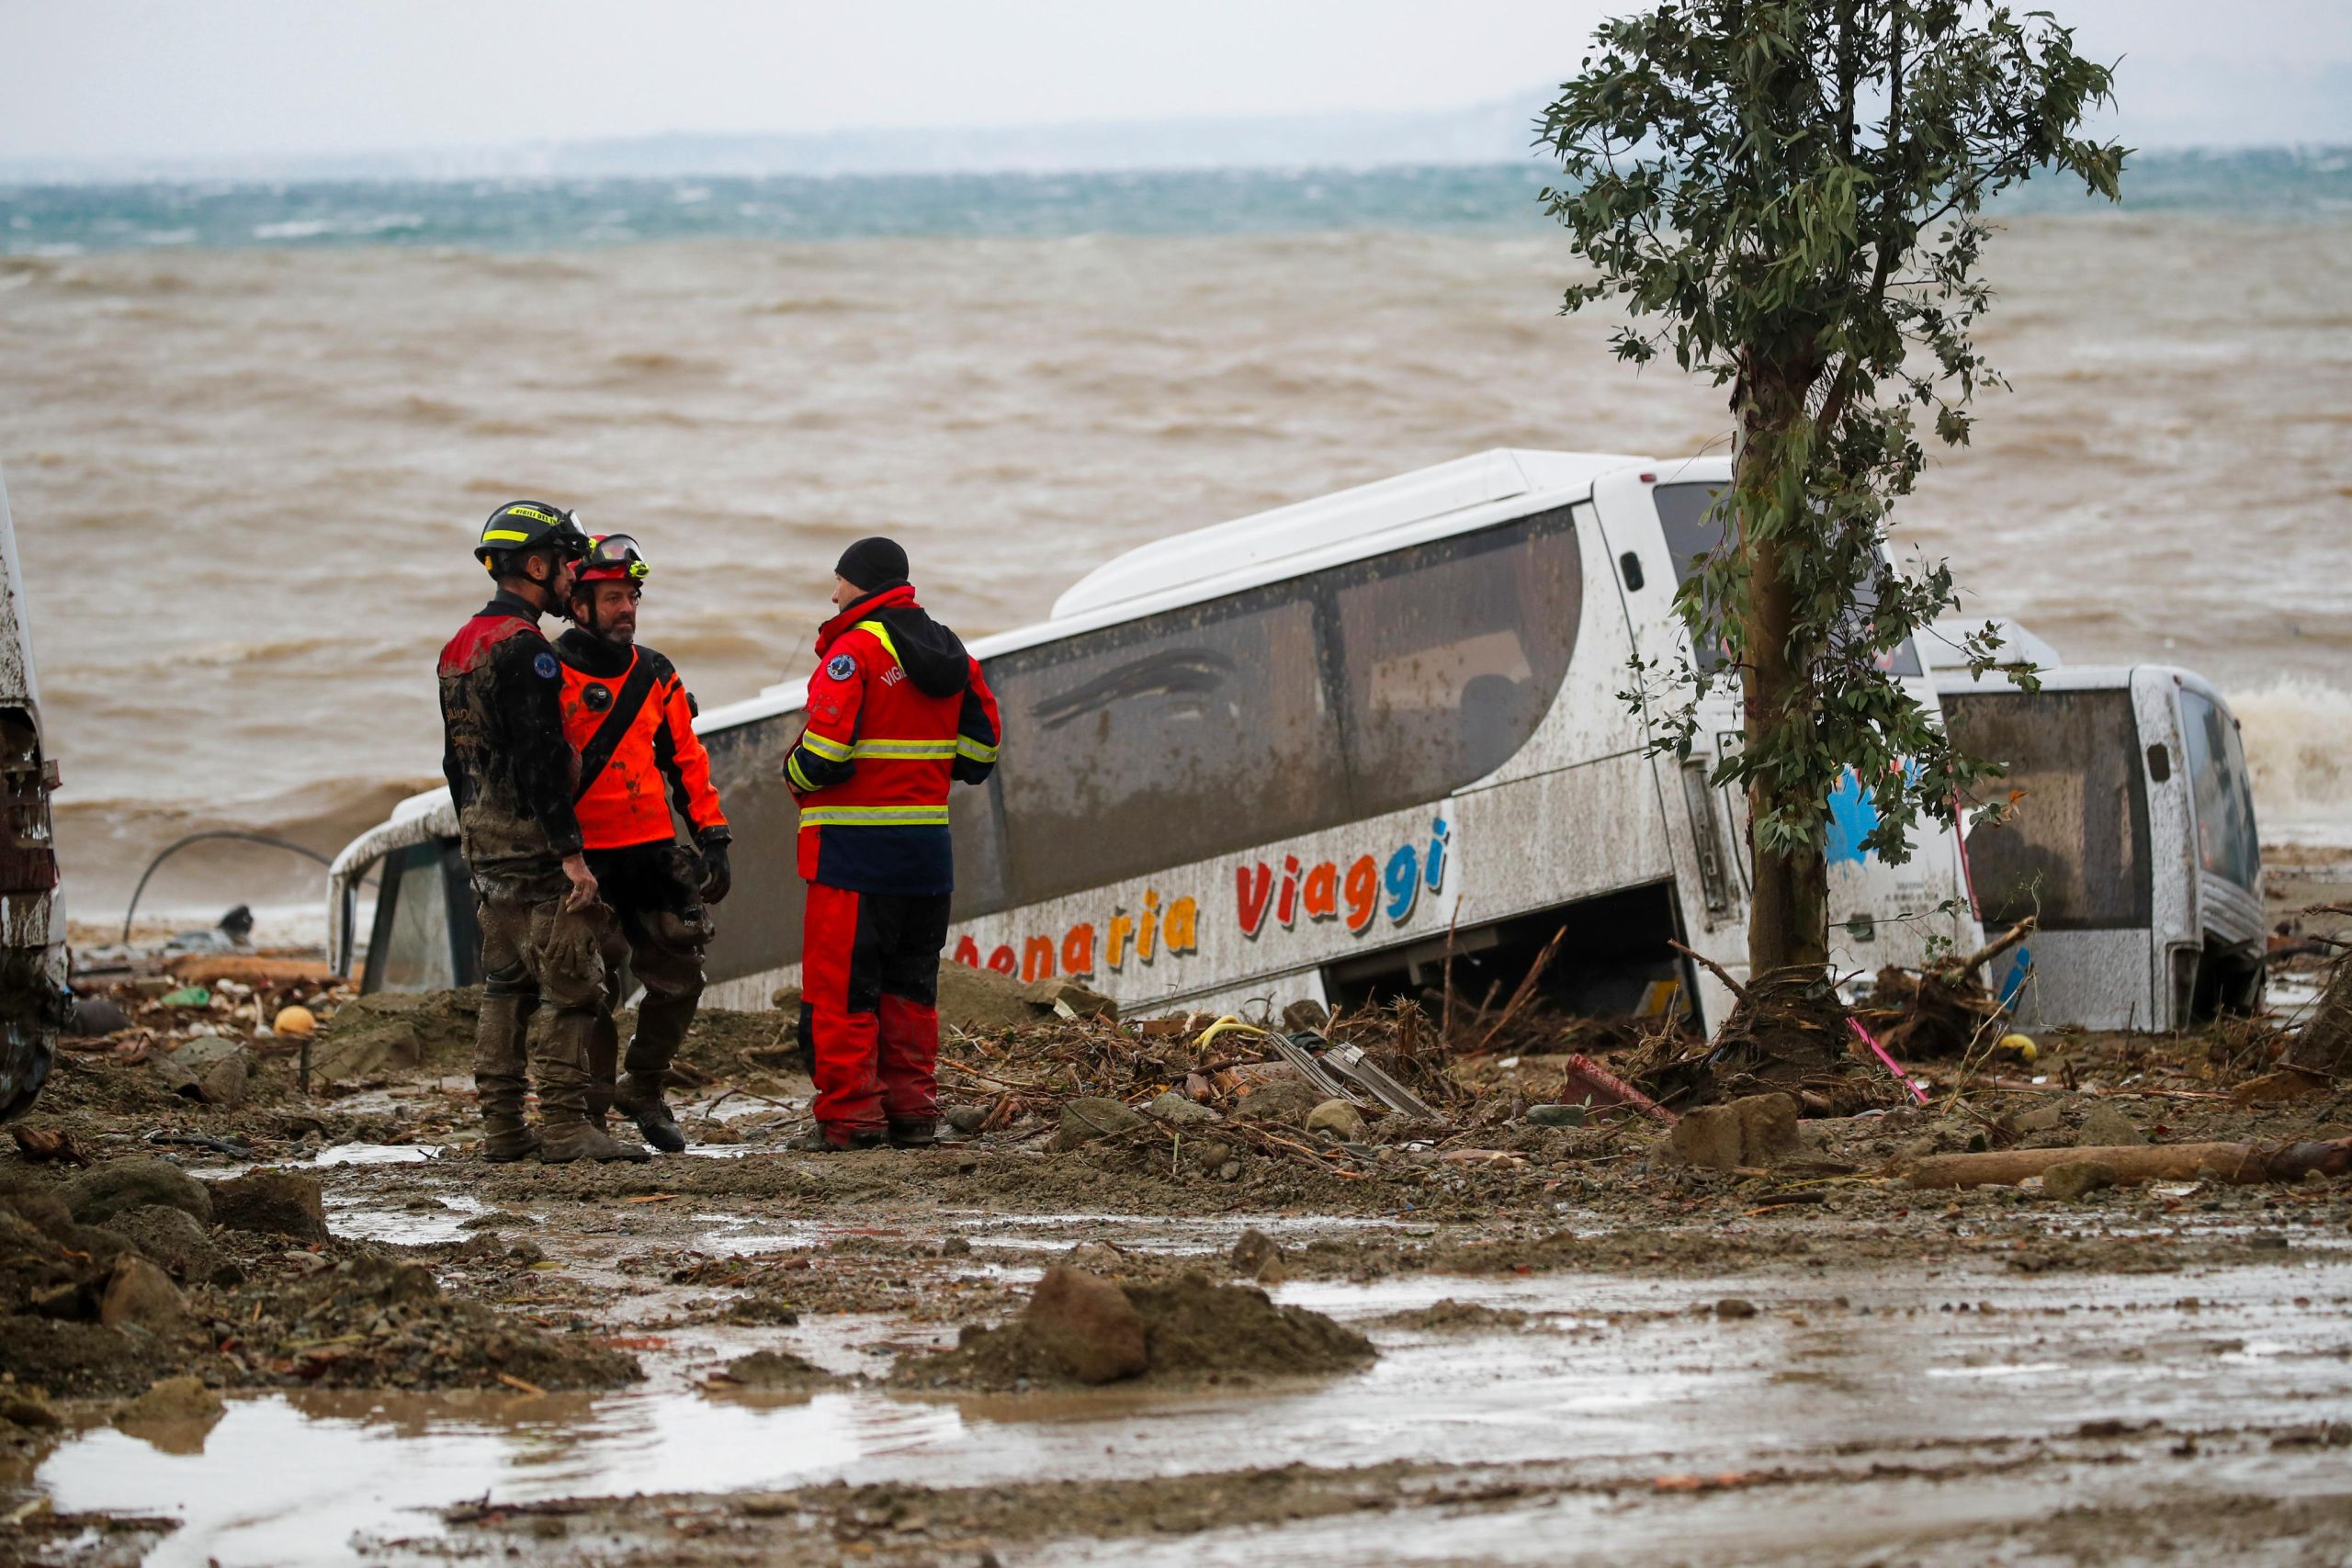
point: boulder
(1083, 1120)
(2075, 1178)
(1177, 1111)
(1286, 1101)
(101, 1192)
(981, 1000)
(172, 1238)
(141, 1294)
(1088, 1325)
(275, 1203)
(2108, 1128)
(1750, 1132)
(965, 1119)
(1057, 991)
(1254, 1254)
(1555, 1115)
(1339, 1119)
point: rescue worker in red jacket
(631, 719)
(511, 773)
(897, 709)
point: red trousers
(869, 1012)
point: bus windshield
(1695, 531)
(2226, 842)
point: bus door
(1652, 531)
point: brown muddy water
(1949, 1410)
(245, 482)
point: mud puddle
(1624, 1380)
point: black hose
(172, 849)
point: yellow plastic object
(1221, 1025)
(2021, 1043)
(294, 1020)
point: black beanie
(873, 564)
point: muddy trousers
(543, 979)
(663, 951)
(869, 1006)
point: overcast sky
(142, 79)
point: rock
(1088, 1325)
(965, 1119)
(1750, 1132)
(96, 1015)
(1286, 1101)
(955, 1247)
(2041, 1118)
(1305, 1016)
(398, 1031)
(2108, 1128)
(224, 1083)
(1210, 1153)
(275, 1203)
(141, 1294)
(1083, 1120)
(1339, 1119)
(1057, 991)
(27, 1408)
(778, 1369)
(1229, 1171)
(172, 1239)
(1096, 1257)
(1253, 1252)
(1177, 1111)
(2070, 1179)
(206, 1051)
(182, 1398)
(101, 1192)
(981, 1000)
(1557, 1115)
(1734, 1306)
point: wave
(2298, 737)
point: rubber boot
(821, 1140)
(499, 1079)
(913, 1133)
(560, 1057)
(639, 1098)
(564, 1139)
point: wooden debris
(2243, 1164)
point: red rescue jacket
(632, 776)
(897, 712)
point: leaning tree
(1788, 194)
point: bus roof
(1266, 538)
(1224, 557)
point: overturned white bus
(1309, 754)
(2130, 840)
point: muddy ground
(1583, 1345)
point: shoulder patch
(545, 665)
(841, 667)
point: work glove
(715, 877)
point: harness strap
(609, 735)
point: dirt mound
(398, 1031)
(1194, 1330)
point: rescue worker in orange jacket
(511, 774)
(631, 719)
(897, 710)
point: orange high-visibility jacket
(897, 712)
(630, 776)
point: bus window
(1451, 653)
(1166, 741)
(2073, 849)
(2227, 843)
(1693, 532)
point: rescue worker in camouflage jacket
(510, 775)
(631, 719)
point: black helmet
(528, 525)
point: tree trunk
(1789, 912)
(2325, 1044)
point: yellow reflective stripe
(874, 817)
(967, 746)
(905, 750)
(831, 750)
(514, 534)
(882, 634)
(792, 766)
